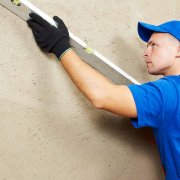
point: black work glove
(49, 38)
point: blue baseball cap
(172, 27)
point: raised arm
(101, 92)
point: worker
(153, 104)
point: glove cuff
(63, 53)
(61, 48)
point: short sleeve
(149, 100)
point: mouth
(149, 64)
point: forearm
(89, 81)
(101, 92)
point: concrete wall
(48, 130)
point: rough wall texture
(48, 130)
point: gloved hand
(49, 38)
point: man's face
(161, 53)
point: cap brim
(145, 30)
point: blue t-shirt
(158, 107)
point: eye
(151, 44)
(154, 44)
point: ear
(178, 52)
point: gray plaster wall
(48, 130)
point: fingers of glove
(49, 45)
(34, 26)
(42, 42)
(46, 46)
(60, 23)
(36, 35)
(41, 45)
(38, 19)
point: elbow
(98, 102)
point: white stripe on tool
(83, 44)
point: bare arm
(102, 93)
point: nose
(146, 53)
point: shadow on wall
(117, 127)
(140, 141)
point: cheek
(163, 57)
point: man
(154, 104)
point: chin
(155, 73)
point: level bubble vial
(16, 2)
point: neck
(174, 70)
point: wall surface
(48, 130)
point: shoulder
(163, 85)
(160, 94)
